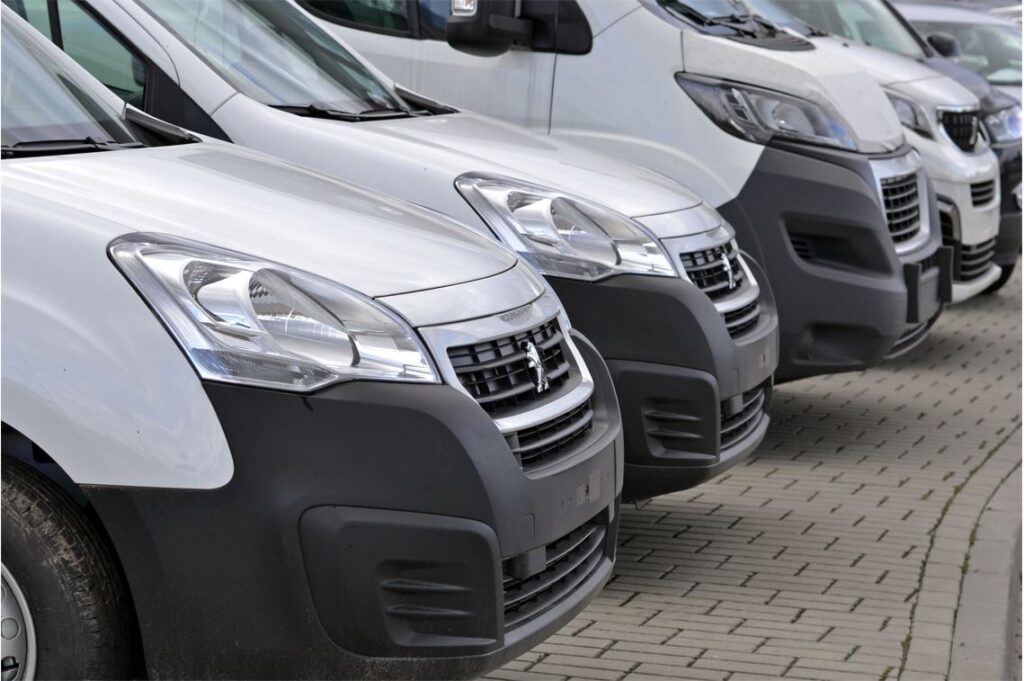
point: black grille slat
(553, 440)
(496, 373)
(707, 270)
(737, 424)
(569, 561)
(962, 128)
(741, 320)
(975, 260)
(902, 204)
(983, 192)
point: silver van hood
(835, 82)
(912, 78)
(468, 142)
(245, 201)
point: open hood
(244, 201)
(836, 82)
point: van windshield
(866, 21)
(275, 54)
(990, 50)
(47, 107)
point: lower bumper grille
(740, 420)
(741, 320)
(549, 442)
(975, 261)
(983, 192)
(569, 561)
(902, 206)
(910, 338)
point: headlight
(249, 321)
(562, 235)
(910, 113)
(1004, 126)
(759, 115)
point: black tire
(75, 592)
(1004, 276)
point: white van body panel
(122, 405)
(112, 405)
(951, 170)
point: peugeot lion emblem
(535, 365)
(728, 270)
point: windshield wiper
(317, 111)
(67, 146)
(735, 22)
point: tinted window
(101, 53)
(434, 17)
(390, 15)
(43, 101)
(34, 12)
(274, 53)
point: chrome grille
(975, 260)
(708, 270)
(553, 440)
(738, 422)
(497, 375)
(983, 192)
(569, 561)
(743, 319)
(902, 206)
(962, 128)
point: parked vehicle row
(310, 374)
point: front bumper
(812, 217)
(370, 530)
(1008, 242)
(682, 382)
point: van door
(405, 40)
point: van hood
(896, 72)
(467, 142)
(245, 201)
(837, 83)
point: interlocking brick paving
(837, 551)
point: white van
(941, 120)
(228, 381)
(803, 155)
(649, 272)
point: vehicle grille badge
(535, 365)
(728, 270)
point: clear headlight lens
(562, 235)
(1004, 126)
(910, 113)
(249, 321)
(759, 115)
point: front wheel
(65, 609)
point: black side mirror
(486, 28)
(945, 44)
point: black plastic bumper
(365, 533)
(675, 369)
(812, 218)
(1008, 242)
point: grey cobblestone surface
(839, 550)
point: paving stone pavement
(839, 550)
